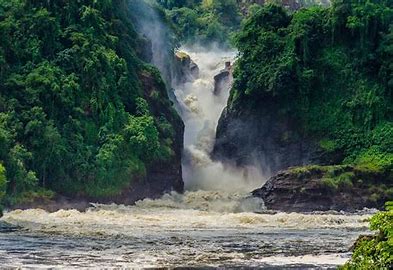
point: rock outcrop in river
(323, 188)
(185, 69)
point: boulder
(185, 69)
(322, 188)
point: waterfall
(199, 106)
(200, 109)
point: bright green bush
(3, 183)
(375, 160)
(375, 253)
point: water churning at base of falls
(214, 224)
(178, 231)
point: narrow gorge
(196, 134)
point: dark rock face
(291, 191)
(185, 70)
(262, 138)
(223, 80)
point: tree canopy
(329, 69)
(74, 115)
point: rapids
(198, 229)
(214, 224)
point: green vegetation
(3, 186)
(204, 21)
(214, 21)
(345, 178)
(375, 253)
(328, 69)
(75, 115)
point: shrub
(3, 183)
(375, 253)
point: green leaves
(328, 69)
(204, 21)
(3, 182)
(72, 113)
(375, 253)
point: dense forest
(204, 22)
(328, 71)
(216, 21)
(75, 116)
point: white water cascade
(200, 110)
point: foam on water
(190, 211)
(197, 229)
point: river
(198, 229)
(214, 224)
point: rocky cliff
(263, 138)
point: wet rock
(223, 80)
(162, 176)
(307, 189)
(54, 204)
(185, 69)
(262, 137)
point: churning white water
(178, 231)
(214, 224)
(201, 109)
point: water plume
(200, 108)
(151, 24)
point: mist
(201, 109)
(151, 25)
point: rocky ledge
(324, 188)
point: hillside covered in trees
(216, 21)
(81, 113)
(315, 87)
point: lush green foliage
(3, 182)
(375, 252)
(215, 21)
(73, 117)
(329, 69)
(204, 21)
